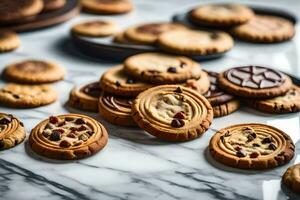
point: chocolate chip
(222, 139)
(214, 35)
(16, 96)
(227, 134)
(254, 155)
(55, 136)
(241, 153)
(130, 81)
(178, 90)
(71, 135)
(81, 128)
(69, 119)
(237, 148)
(118, 84)
(5, 121)
(65, 144)
(272, 146)
(179, 115)
(172, 70)
(177, 123)
(53, 120)
(21, 124)
(182, 64)
(79, 121)
(251, 137)
(255, 145)
(61, 131)
(2, 144)
(267, 140)
(90, 133)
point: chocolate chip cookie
(265, 29)
(193, 43)
(27, 96)
(251, 146)
(221, 14)
(12, 131)
(172, 112)
(33, 72)
(68, 137)
(161, 68)
(95, 28)
(291, 178)
(107, 6)
(9, 41)
(254, 82)
(116, 109)
(85, 97)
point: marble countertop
(134, 165)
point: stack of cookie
(28, 86)
(242, 22)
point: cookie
(221, 14)
(265, 29)
(120, 38)
(12, 131)
(200, 85)
(288, 103)
(51, 5)
(291, 178)
(96, 28)
(27, 96)
(33, 72)
(68, 137)
(15, 10)
(86, 97)
(9, 41)
(116, 81)
(172, 113)
(251, 146)
(254, 82)
(116, 109)
(192, 42)
(161, 68)
(148, 33)
(226, 108)
(107, 6)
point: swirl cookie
(291, 178)
(86, 97)
(251, 146)
(8, 41)
(222, 103)
(107, 6)
(254, 82)
(33, 72)
(27, 96)
(51, 5)
(15, 10)
(148, 33)
(191, 42)
(68, 137)
(265, 29)
(287, 103)
(221, 14)
(161, 68)
(172, 112)
(116, 109)
(12, 131)
(116, 81)
(96, 28)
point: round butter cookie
(51, 5)
(96, 28)
(8, 41)
(107, 6)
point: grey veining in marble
(134, 165)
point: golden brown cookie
(221, 14)
(116, 109)
(252, 146)
(68, 137)
(254, 82)
(172, 112)
(12, 131)
(96, 28)
(51, 5)
(120, 38)
(265, 29)
(8, 41)
(116, 81)
(226, 108)
(291, 178)
(148, 33)
(192, 42)
(33, 72)
(200, 85)
(86, 97)
(159, 68)
(13, 10)
(107, 6)
(27, 96)
(287, 103)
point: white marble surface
(135, 165)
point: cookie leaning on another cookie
(96, 28)
(12, 131)
(251, 146)
(8, 41)
(85, 97)
(68, 137)
(172, 113)
(27, 96)
(291, 178)
(107, 6)
(33, 72)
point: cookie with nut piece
(172, 113)
(68, 137)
